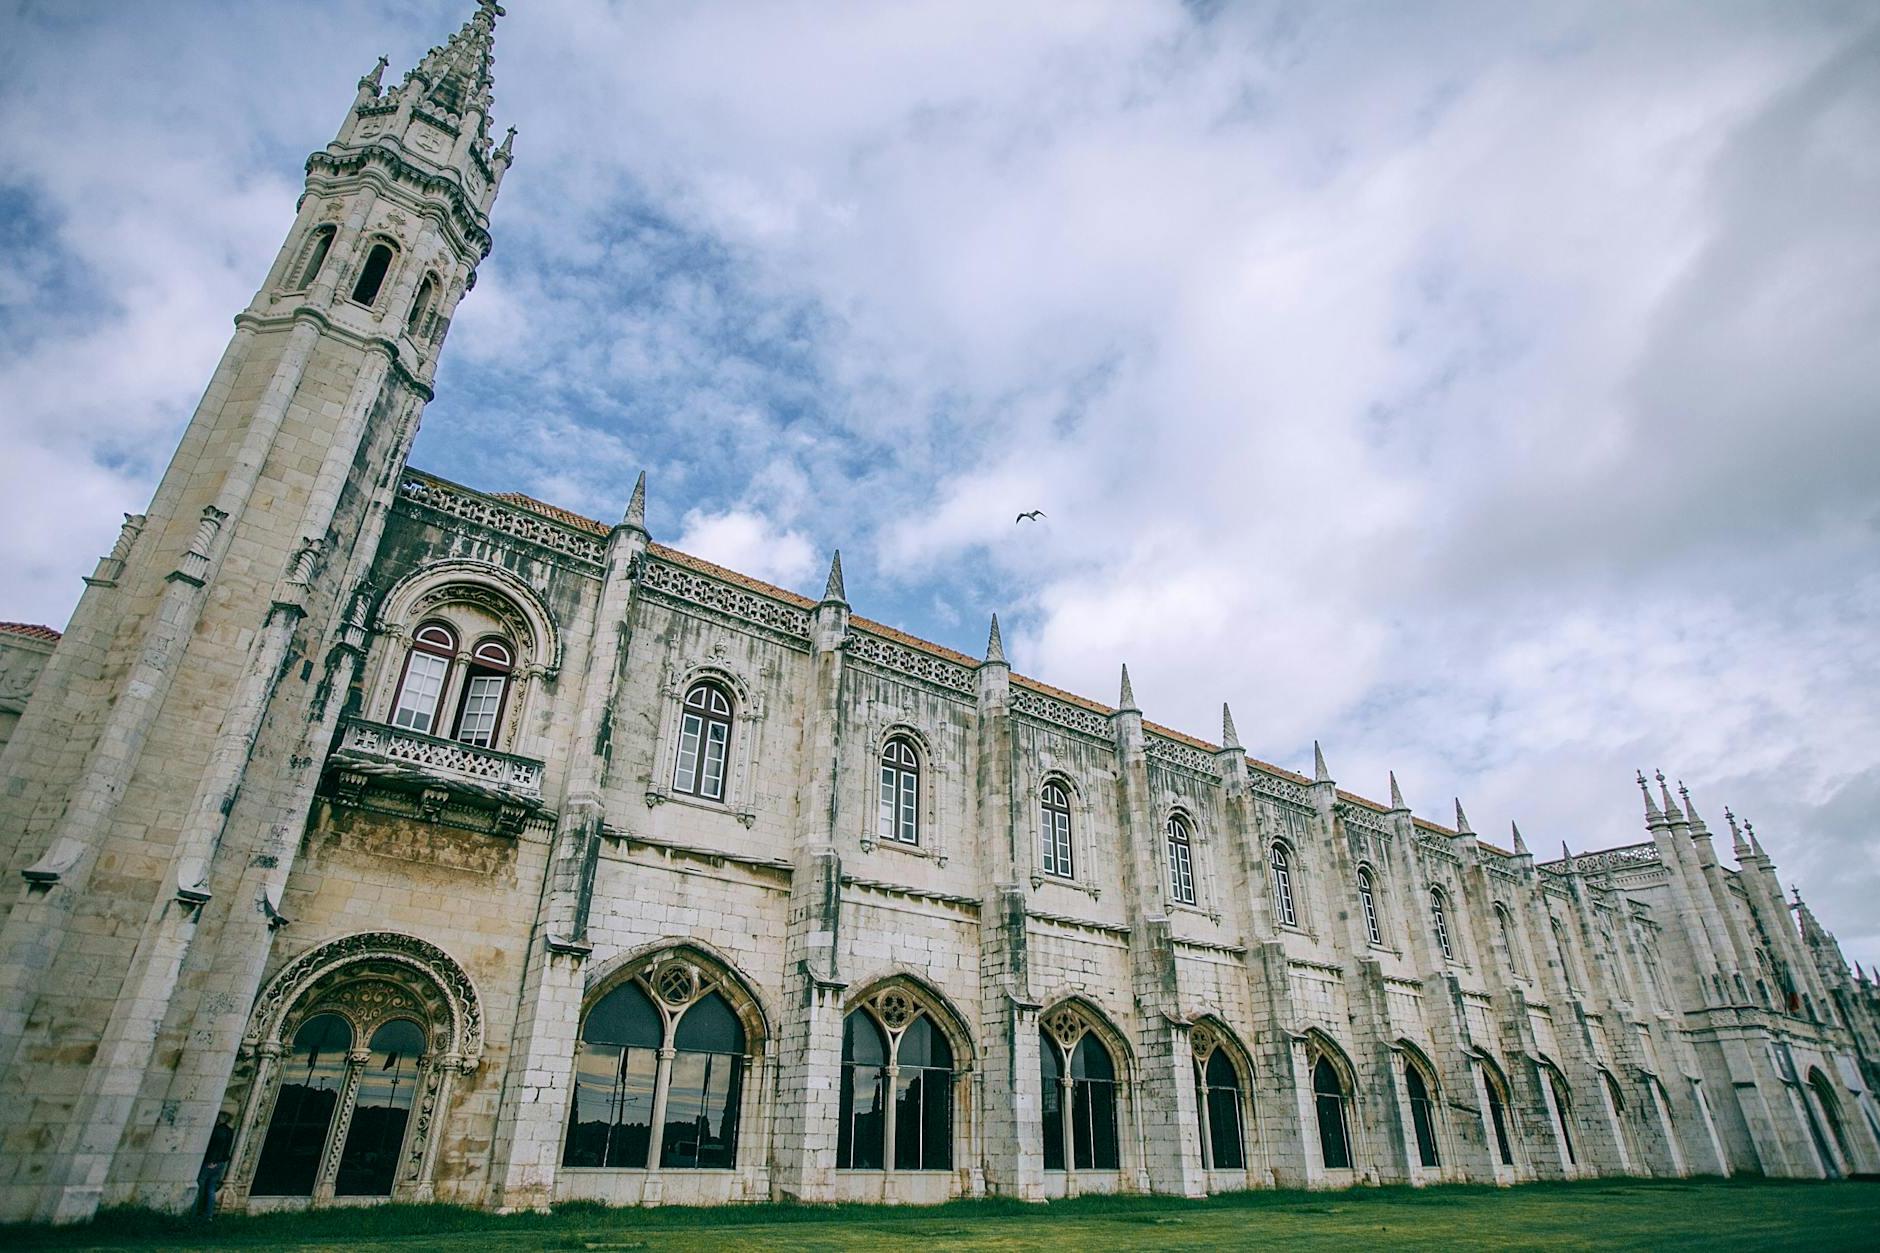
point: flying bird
(1033, 516)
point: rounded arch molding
(746, 1001)
(457, 1034)
(487, 586)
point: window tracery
(896, 1103)
(1219, 1098)
(1078, 1073)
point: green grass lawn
(1613, 1214)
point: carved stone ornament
(1067, 1027)
(1202, 1041)
(416, 968)
(895, 1009)
(676, 983)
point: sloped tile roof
(31, 631)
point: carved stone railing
(694, 587)
(1061, 713)
(1631, 857)
(1277, 788)
(1182, 756)
(446, 759)
(506, 519)
(1363, 818)
(890, 655)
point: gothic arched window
(1563, 1109)
(1181, 862)
(1219, 1100)
(897, 1088)
(433, 645)
(1055, 809)
(1367, 901)
(1564, 955)
(1283, 886)
(1078, 1073)
(1417, 1087)
(1498, 1114)
(704, 741)
(1504, 923)
(659, 1076)
(898, 815)
(1331, 1099)
(313, 1076)
(382, 1099)
(486, 684)
(421, 306)
(317, 248)
(1439, 919)
(372, 274)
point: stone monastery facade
(464, 849)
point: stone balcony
(391, 770)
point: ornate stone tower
(153, 796)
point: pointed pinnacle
(1230, 738)
(1755, 845)
(832, 590)
(507, 149)
(995, 647)
(1320, 774)
(1520, 845)
(1737, 845)
(1396, 793)
(1462, 819)
(636, 505)
(1651, 806)
(1566, 854)
(1127, 700)
(1671, 807)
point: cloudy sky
(1488, 391)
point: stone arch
(1095, 1020)
(1208, 1031)
(710, 965)
(936, 1004)
(321, 969)
(488, 587)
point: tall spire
(1690, 810)
(458, 75)
(1520, 845)
(1653, 816)
(1230, 738)
(1127, 699)
(1462, 819)
(995, 647)
(832, 590)
(1664, 790)
(1396, 793)
(1319, 773)
(1737, 845)
(636, 505)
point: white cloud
(752, 544)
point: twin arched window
(1439, 919)
(704, 742)
(1181, 861)
(1367, 901)
(1078, 1076)
(898, 817)
(1288, 914)
(658, 1077)
(1055, 815)
(1218, 1100)
(897, 1088)
(422, 686)
(318, 1076)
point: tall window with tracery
(704, 742)
(1367, 901)
(1181, 861)
(1218, 1100)
(897, 1088)
(1439, 919)
(898, 814)
(1078, 1077)
(1283, 886)
(1056, 830)
(421, 686)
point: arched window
(1283, 886)
(1079, 1077)
(897, 1088)
(1367, 901)
(1422, 1113)
(1498, 1114)
(1181, 862)
(658, 1076)
(422, 684)
(1056, 816)
(317, 248)
(1564, 955)
(1439, 919)
(485, 687)
(381, 1108)
(1831, 1111)
(1504, 923)
(372, 274)
(313, 1075)
(898, 816)
(1218, 1099)
(704, 741)
(421, 305)
(1563, 1109)
(1331, 1099)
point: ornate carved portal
(350, 1057)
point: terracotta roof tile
(31, 631)
(730, 576)
(554, 513)
(912, 641)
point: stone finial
(1755, 845)
(1671, 808)
(1520, 845)
(1396, 793)
(1462, 820)
(506, 151)
(832, 590)
(995, 647)
(1652, 812)
(1737, 845)
(1230, 738)
(375, 77)
(1127, 700)
(636, 505)
(1319, 773)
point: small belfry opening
(317, 248)
(372, 274)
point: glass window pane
(483, 697)
(701, 1112)
(685, 773)
(923, 1044)
(864, 1120)
(381, 1108)
(1051, 1091)
(937, 1121)
(709, 1026)
(1224, 1128)
(312, 1074)
(625, 1015)
(712, 783)
(417, 700)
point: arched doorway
(1331, 1099)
